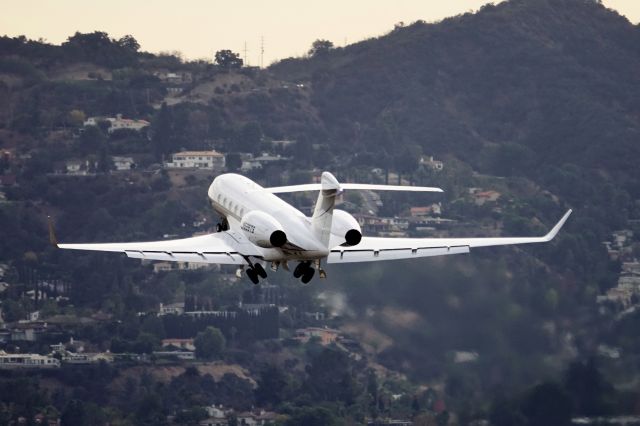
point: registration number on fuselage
(247, 227)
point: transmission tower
(262, 52)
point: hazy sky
(198, 28)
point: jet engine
(262, 229)
(346, 227)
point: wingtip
(554, 231)
(52, 233)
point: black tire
(308, 274)
(253, 276)
(218, 228)
(302, 266)
(260, 270)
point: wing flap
(221, 247)
(375, 248)
(370, 255)
(230, 258)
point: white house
(118, 123)
(429, 162)
(15, 361)
(122, 163)
(209, 160)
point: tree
(320, 47)
(590, 392)
(76, 117)
(162, 131)
(548, 404)
(74, 414)
(249, 138)
(227, 59)
(209, 343)
(233, 161)
(92, 140)
(129, 43)
(272, 385)
(12, 311)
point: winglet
(52, 233)
(554, 231)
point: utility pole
(262, 52)
(246, 63)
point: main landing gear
(255, 272)
(304, 271)
(223, 225)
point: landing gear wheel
(300, 269)
(308, 274)
(218, 227)
(253, 276)
(260, 270)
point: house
(33, 316)
(282, 143)
(123, 163)
(162, 267)
(461, 357)
(260, 418)
(208, 160)
(326, 335)
(433, 209)
(217, 416)
(171, 309)
(186, 344)
(79, 167)
(432, 164)
(86, 358)
(482, 197)
(26, 334)
(16, 361)
(177, 353)
(252, 163)
(174, 77)
(118, 123)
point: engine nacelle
(262, 229)
(346, 227)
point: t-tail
(322, 218)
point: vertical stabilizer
(323, 213)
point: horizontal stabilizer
(343, 186)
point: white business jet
(258, 227)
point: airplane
(257, 226)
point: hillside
(537, 101)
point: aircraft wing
(360, 186)
(227, 247)
(375, 248)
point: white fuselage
(233, 196)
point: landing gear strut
(255, 271)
